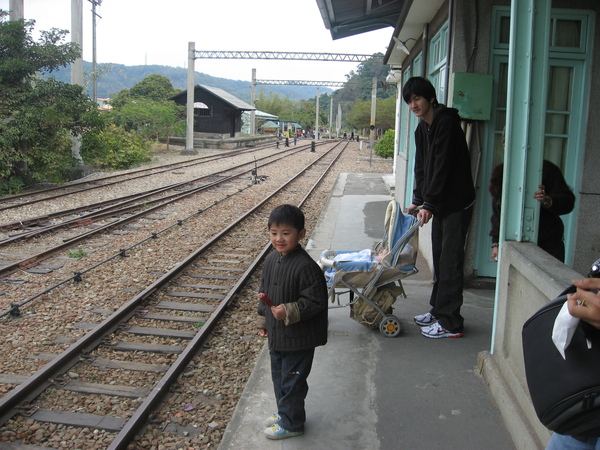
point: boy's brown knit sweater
(296, 281)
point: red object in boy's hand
(262, 296)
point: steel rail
(138, 420)
(115, 206)
(38, 382)
(160, 170)
(35, 259)
(77, 276)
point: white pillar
(339, 120)
(331, 116)
(94, 70)
(317, 118)
(16, 10)
(77, 65)
(253, 103)
(189, 131)
(397, 122)
(373, 111)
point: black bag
(563, 391)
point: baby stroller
(374, 275)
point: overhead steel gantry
(299, 83)
(294, 56)
(304, 83)
(194, 54)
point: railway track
(37, 264)
(170, 320)
(56, 192)
(121, 211)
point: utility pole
(77, 66)
(373, 111)
(94, 74)
(339, 121)
(331, 117)
(189, 132)
(16, 10)
(253, 103)
(317, 118)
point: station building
(528, 70)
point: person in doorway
(444, 193)
(297, 321)
(556, 199)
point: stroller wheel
(390, 326)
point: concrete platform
(368, 391)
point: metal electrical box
(472, 95)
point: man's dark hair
(421, 87)
(287, 215)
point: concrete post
(16, 10)
(94, 69)
(253, 103)
(397, 123)
(373, 112)
(189, 131)
(317, 117)
(331, 116)
(339, 119)
(77, 65)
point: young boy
(297, 321)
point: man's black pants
(448, 236)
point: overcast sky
(137, 32)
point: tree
(360, 83)
(150, 119)
(154, 87)
(359, 116)
(284, 108)
(145, 109)
(38, 116)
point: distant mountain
(116, 77)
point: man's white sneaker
(425, 320)
(436, 331)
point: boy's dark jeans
(289, 371)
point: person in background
(297, 321)
(584, 304)
(556, 199)
(444, 192)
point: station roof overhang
(409, 29)
(345, 18)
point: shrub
(115, 149)
(385, 146)
(12, 185)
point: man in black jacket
(443, 192)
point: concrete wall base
(528, 279)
